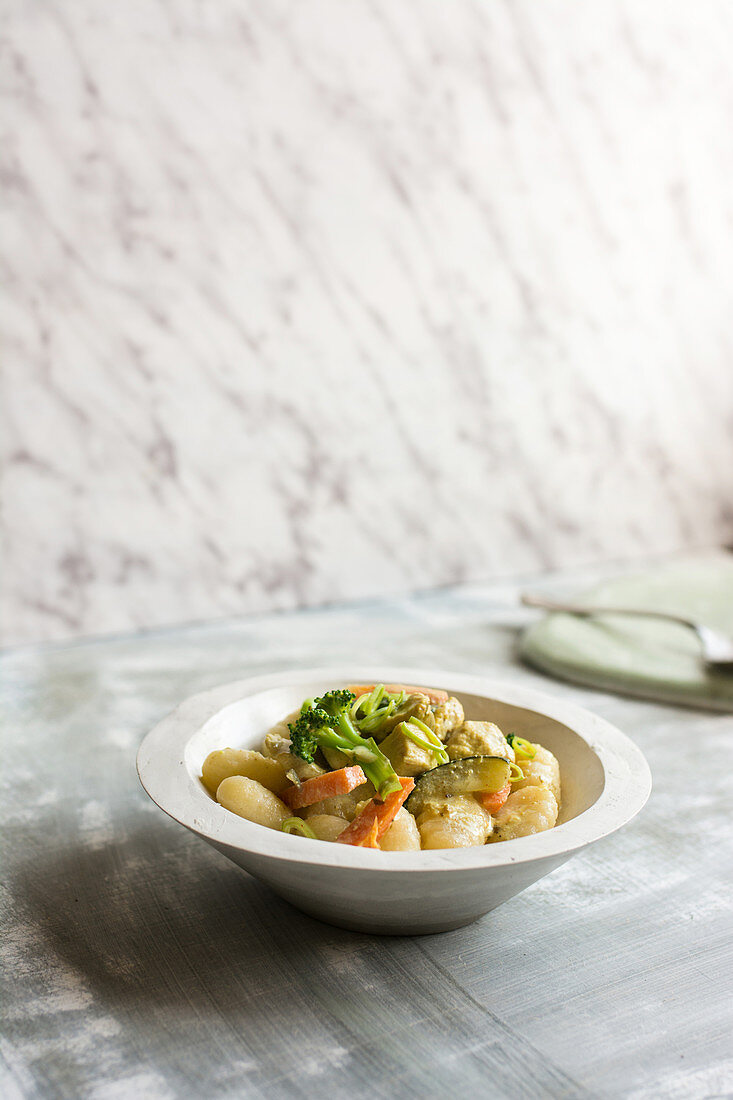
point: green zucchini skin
(465, 776)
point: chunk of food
(531, 810)
(277, 746)
(326, 826)
(324, 786)
(335, 758)
(495, 800)
(248, 798)
(402, 835)
(406, 755)
(479, 739)
(465, 776)
(435, 695)
(414, 706)
(370, 825)
(345, 806)
(447, 717)
(457, 822)
(221, 763)
(327, 722)
(542, 770)
(295, 826)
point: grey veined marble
(314, 301)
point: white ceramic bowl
(605, 782)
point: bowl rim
(164, 774)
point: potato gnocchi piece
(542, 770)
(402, 835)
(458, 822)
(531, 810)
(479, 739)
(343, 806)
(326, 826)
(248, 798)
(222, 763)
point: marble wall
(308, 302)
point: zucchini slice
(472, 773)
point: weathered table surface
(140, 963)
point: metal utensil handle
(586, 609)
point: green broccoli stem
(330, 739)
(381, 773)
(375, 765)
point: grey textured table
(139, 963)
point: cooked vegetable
(326, 722)
(435, 695)
(494, 801)
(372, 711)
(376, 817)
(370, 838)
(324, 786)
(399, 708)
(522, 748)
(465, 776)
(297, 825)
(276, 746)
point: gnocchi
(248, 798)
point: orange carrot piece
(375, 818)
(324, 786)
(435, 695)
(494, 801)
(371, 839)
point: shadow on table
(160, 919)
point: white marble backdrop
(307, 302)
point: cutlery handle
(530, 600)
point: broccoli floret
(326, 723)
(304, 733)
(333, 702)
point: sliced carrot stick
(324, 786)
(435, 695)
(494, 801)
(370, 840)
(375, 818)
